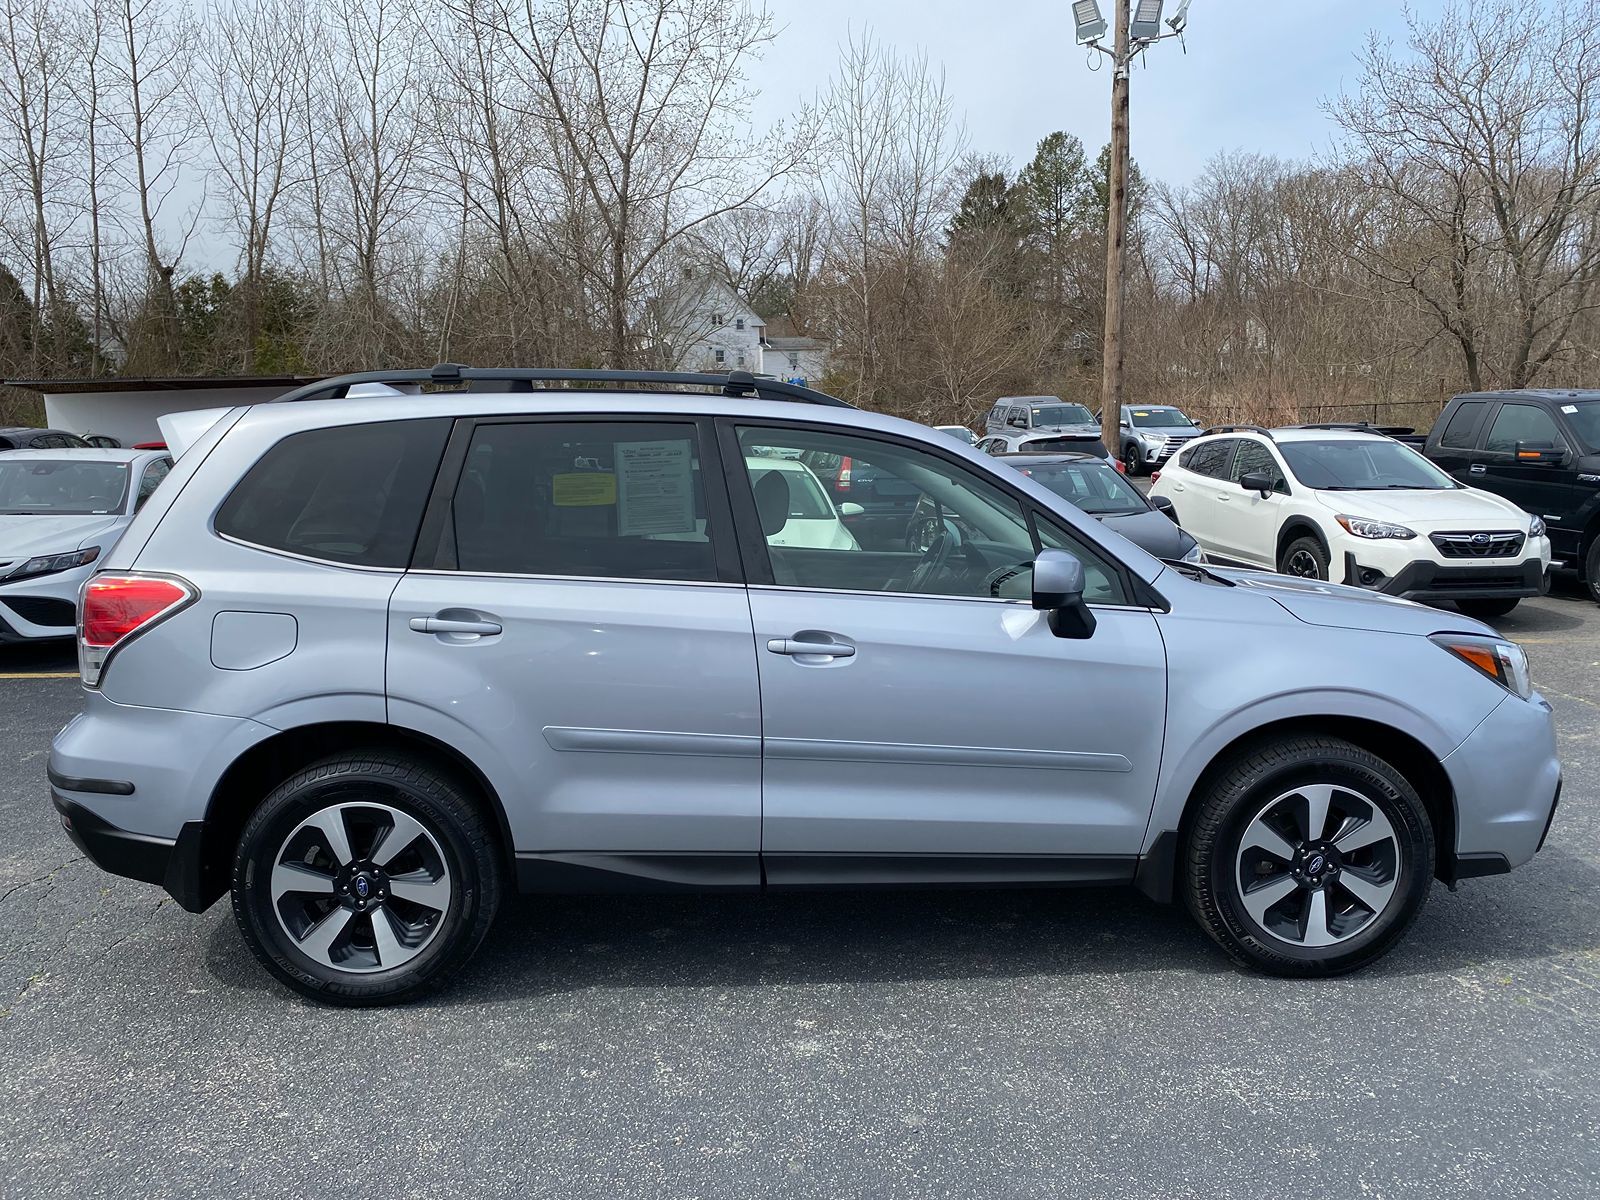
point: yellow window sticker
(582, 489)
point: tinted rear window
(353, 494)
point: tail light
(842, 484)
(115, 608)
(1154, 475)
(1122, 467)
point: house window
(794, 361)
(739, 324)
(722, 357)
(716, 318)
(741, 358)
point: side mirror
(1058, 590)
(1256, 481)
(1533, 454)
(1163, 504)
(850, 509)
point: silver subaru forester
(379, 651)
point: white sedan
(1357, 508)
(60, 512)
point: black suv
(1540, 449)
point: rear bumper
(175, 864)
(1429, 582)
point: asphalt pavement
(1071, 1044)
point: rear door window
(599, 499)
(1210, 459)
(351, 494)
(1460, 433)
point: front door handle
(801, 645)
(1478, 469)
(446, 625)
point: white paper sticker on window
(655, 488)
(1569, 409)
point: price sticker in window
(583, 489)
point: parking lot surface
(1075, 1043)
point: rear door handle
(802, 646)
(445, 625)
(1478, 469)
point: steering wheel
(936, 557)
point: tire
(436, 891)
(1247, 896)
(1305, 558)
(1487, 610)
(1591, 569)
(1131, 460)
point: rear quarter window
(351, 494)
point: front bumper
(1428, 581)
(1155, 455)
(1506, 779)
(43, 607)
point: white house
(799, 359)
(707, 327)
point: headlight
(1536, 528)
(1503, 662)
(49, 564)
(1361, 527)
(1195, 555)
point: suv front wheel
(1308, 856)
(365, 879)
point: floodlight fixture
(1091, 23)
(1179, 19)
(1146, 23)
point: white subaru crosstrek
(1356, 508)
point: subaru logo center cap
(1315, 863)
(1480, 539)
(362, 886)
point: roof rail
(527, 379)
(1266, 433)
(1358, 427)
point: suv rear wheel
(1591, 569)
(1308, 856)
(365, 879)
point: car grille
(1499, 544)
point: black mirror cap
(1534, 453)
(1163, 504)
(1256, 481)
(1075, 622)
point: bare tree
(250, 54)
(646, 101)
(155, 127)
(1480, 149)
(37, 61)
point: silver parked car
(369, 663)
(60, 512)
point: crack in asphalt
(48, 875)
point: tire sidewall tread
(443, 804)
(1232, 800)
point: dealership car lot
(1070, 1043)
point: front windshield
(1160, 418)
(61, 487)
(1095, 488)
(1360, 465)
(1062, 414)
(1585, 418)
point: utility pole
(1136, 28)
(1116, 238)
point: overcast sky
(1254, 75)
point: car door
(920, 720)
(575, 621)
(1457, 448)
(1201, 492)
(1536, 487)
(1248, 522)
